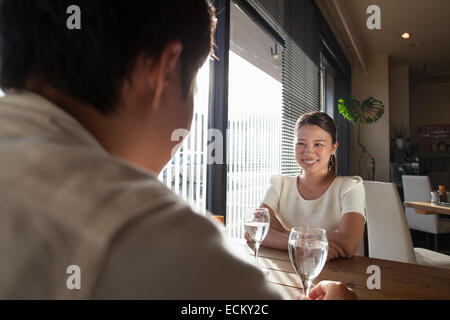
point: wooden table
(427, 207)
(398, 280)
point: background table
(427, 207)
(398, 280)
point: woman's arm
(342, 243)
(277, 237)
(345, 241)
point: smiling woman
(316, 197)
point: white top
(345, 194)
(65, 201)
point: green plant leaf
(370, 111)
(350, 109)
(373, 110)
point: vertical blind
(254, 118)
(297, 22)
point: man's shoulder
(177, 254)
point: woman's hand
(334, 251)
(330, 290)
(249, 242)
(332, 254)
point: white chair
(388, 233)
(418, 188)
(360, 251)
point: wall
(374, 82)
(430, 104)
(399, 106)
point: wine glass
(308, 250)
(257, 223)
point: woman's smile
(310, 162)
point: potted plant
(367, 112)
(400, 135)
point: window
(336, 85)
(297, 23)
(185, 173)
(328, 80)
(254, 117)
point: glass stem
(306, 286)
(257, 244)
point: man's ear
(163, 69)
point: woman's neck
(313, 186)
(317, 179)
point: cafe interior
(276, 60)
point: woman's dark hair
(91, 64)
(325, 122)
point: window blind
(297, 22)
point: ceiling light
(274, 52)
(406, 35)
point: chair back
(388, 233)
(360, 251)
(418, 188)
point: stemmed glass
(257, 223)
(308, 250)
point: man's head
(126, 75)
(91, 65)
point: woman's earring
(331, 163)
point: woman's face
(313, 148)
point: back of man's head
(92, 63)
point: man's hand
(331, 290)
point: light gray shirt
(64, 201)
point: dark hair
(92, 64)
(325, 122)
